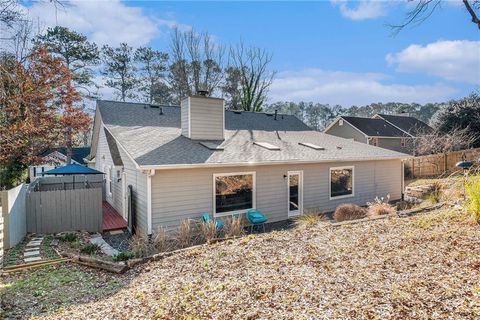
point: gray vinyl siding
(183, 194)
(184, 116)
(206, 118)
(346, 131)
(135, 177)
(138, 180)
(396, 144)
(103, 161)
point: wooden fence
(438, 164)
(63, 210)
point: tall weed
(472, 188)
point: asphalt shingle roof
(112, 145)
(78, 153)
(408, 124)
(152, 138)
(374, 127)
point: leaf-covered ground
(424, 267)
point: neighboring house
(183, 161)
(57, 157)
(394, 132)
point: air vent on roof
(237, 112)
(154, 106)
(269, 114)
(266, 145)
(211, 145)
(311, 145)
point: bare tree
(255, 77)
(9, 12)
(196, 63)
(439, 142)
(425, 8)
(152, 67)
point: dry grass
(380, 207)
(234, 227)
(423, 267)
(208, 230)
(186, 234)
(473, 203)
(139, 245)
(160, 240)
(310, 217)
(349, 212)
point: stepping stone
(34, 243)
(54, 243)
(31, 253)
(114, 232)
(32, 249)
(32, 259)
(37, 239)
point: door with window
(295, 193)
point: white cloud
(104, 22)
(457, 60)
(347, 88)
(365, 9)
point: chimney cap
(203, 93)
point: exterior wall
(135, 177)
(183, 194)
(346, 131)
(395, 144)
(206, 118)
(13, 214)
(104, 160)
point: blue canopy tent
(72, 170)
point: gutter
(249, 164)
(150, 174)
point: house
(181, 161)
(57, 157)
(394, 132)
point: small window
(340, 122)
(234, 193)
(341, 182)
(374, 142)
(267, 145)
(109, 180)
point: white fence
(13, 225)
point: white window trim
(330, 182)
(109, 181)
(254, 193)
(300, 190)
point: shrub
(380, 206)
(139, 245)
(90, 248)
(435, 194)
(310, 218)
(69, 237)
(234, 227)
(160, 239)
(208, 230)
(185, 234)
(473, 204)
(349, 212)
(123, 256)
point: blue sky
(327, 51)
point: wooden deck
(112, 220)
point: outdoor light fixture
(465, 165)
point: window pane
(341, 182)
(293, 192)
(233, 193)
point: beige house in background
(181, 161)
(393, 132)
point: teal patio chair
(218, 223)
(256, 218)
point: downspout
(150, 174)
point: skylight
(211, 145)
(266, 145)
(311, 145)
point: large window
(341, 182)
(234, 192)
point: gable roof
(374, 127)
(112, 145)
(408, 124)
(153, 138)
(78, 153)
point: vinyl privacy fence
(55, 211)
